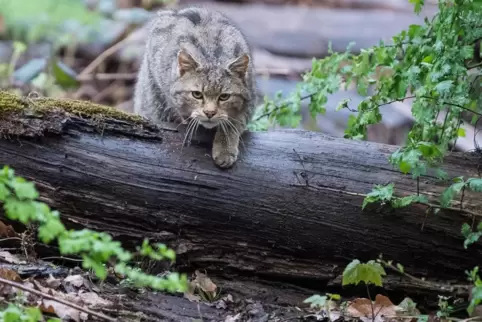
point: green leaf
(444, 87)
(4, 192)
(470, 236)
(316, 301)
(99, 269)
(476, 299)
(64, 76)
(449, 193)
(369, 273)
(24, 189)
(379, 194)
(400, 268)
(475, 184)
(418, 4)
(461, 132)
(408, 200)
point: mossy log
(289, 210)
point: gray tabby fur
(192, 57)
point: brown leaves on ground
(383, 309)
(71, 289)
(7, 231)
(201, 287)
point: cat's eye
(197, 95)
(224, 97)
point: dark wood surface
(289, 210)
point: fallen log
(290, 209)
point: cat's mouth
(209, 124)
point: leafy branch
(97, 249)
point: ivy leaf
(356, 272)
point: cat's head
(211, 93)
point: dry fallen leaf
(9, 258)
(6, 231)
(62, 311)
(9, 275)
(94, 301)
(204, 282)
(75, 280)
(53, 282)
(362, 308)
(230, 318)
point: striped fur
(197, 68)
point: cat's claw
(224, 159)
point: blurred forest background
(91, 49)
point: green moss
(10, 102)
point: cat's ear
(239, 66)
(185, 62)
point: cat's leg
(226, 145)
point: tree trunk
(289, 210)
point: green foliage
(319, 302)
(15, 313)
(476, 292)
(384, 195)
(448, 195)
(96, 248)
(55, 21)
(471, 236)
(368, 273)
(429, 63)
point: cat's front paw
(224, 158)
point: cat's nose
(209, 113)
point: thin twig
(474, 66)
(102, 57)
(10, 238)
(268, 113)
(52, 298)
(62, 257)
(371, 302)
(105, 76)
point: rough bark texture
(290, 209)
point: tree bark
(289, 210)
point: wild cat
(197, 68)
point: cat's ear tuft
(185, 62)
(239, 66)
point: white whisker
(194, 130)
(189, 127)
(237, 132)
(226, 134)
